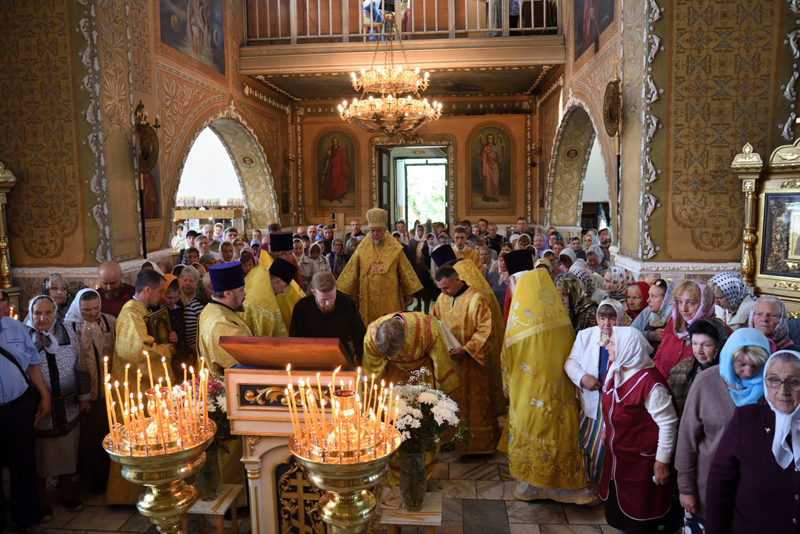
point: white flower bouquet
(424, 415)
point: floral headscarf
(705, 311)
(659, 319)
(743, 390)
(780, 336)
(579, 301)
(545, 262)
(734, 288)
(621, 278)
(580, 272)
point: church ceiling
(462, 82)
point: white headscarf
(632, 352)
(785, 425)
(53, 348)
(74, 312)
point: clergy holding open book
(262, 285)
(220, 318)
(468, 316)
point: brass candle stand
(346, 456)
(160, 469)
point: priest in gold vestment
(379, 275)
(473, 277)
(468, 316)
(219, 317)
(544, 452)
(131, 339)
(398, 344)
(280, 246)
(262, 285)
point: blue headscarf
(749, 390)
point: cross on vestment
(302, 497)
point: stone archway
(249, 162)
(571, 148)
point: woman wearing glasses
(754, 480)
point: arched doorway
(255, 184)
(576, 141)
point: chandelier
(389, 113)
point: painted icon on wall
(195, 28)
(336, 170)
(591, 19)
(491, 157)
(152, 198)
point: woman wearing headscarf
(641, 429)
(769, 316)
(95, 333)
(636, 298)
(337, 257)
(498, 279)
(755, 475)
(567, 258)
(692, 301)
(615, 282)
(540, 244)
(543, 452)
(62, 293)
(582, 310)
(58, 433)
(579, 270)
(595, 260)
(587, 366)
(733, 299)
(706, 339)
(651, 321)
(736, 381)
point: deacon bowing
(379, 275)
(468, 316)
(220, 318)
(314, 316)
(261, 310)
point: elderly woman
(58, 433)
(755, 475)
(769, 316)
(636, 298)
(651, 321)
(582, 310)
(567, 258)
(596, 262)
(579, 270)
(709, 407)
(586, 366)
(57, 289)
(734, 301)
(524, 242)
(498, 279)
(692, 301)
(337, 258)
(641, 429)
(95, 333)
(540, 243)
(192, 306)
(615, 282)
(706, 340)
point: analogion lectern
(281, 499)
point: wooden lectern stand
(280, 496)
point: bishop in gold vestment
(378, 275)
(261, 310)
(544, 452)
(468, 316)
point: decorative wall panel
(548, 124)
(721, 96)
(141, 64)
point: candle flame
(337, 369)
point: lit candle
(365, 398)
(114, 419)
(192, 398)
(184, 372)
(149, 369)
(159, 420)
(105, 365)
(389, 412)
(126, 407)
(139, 383)
(291, 415)
(108, 408)
(127, 366)
(289, 371)
(121, 404)
(321, 402)
(166, 377)
(322, 407)
(333, 380)
(369, 400)
(306, 419)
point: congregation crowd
(676, 403)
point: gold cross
(300, 484)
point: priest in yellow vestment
(544, 452)
(219, 317)
(463, 251)
(379, 275)
(398, 344)
(473, 277)
(131, 339)
(280, 246)
(468, 316)
(262, 285)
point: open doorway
(415, 185)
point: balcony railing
(281, 22)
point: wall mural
(591, 18)
(336, 170)
(195, 28)
(152, 194)
(491, 169)
(724, 98)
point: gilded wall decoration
(141, 66)
(298, 510)
(548, 124)
(720, 99)
(491, 165)
(268, 125)
(38, 141)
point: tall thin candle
(149, 369)
(333, 380)
(108, 408)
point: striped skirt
(594, 451)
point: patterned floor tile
(498, 458)
(490, 489)
(570, 529)
(451, 527)
(454, 489)
(451, 510)
(535, 512)
(459, 471)
(504, 473)
(482, 516)
(585, 515)
(105, 518)
(442, 471)
(518, 528)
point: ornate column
(7, 181)
(748, 166)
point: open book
(449, 338)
